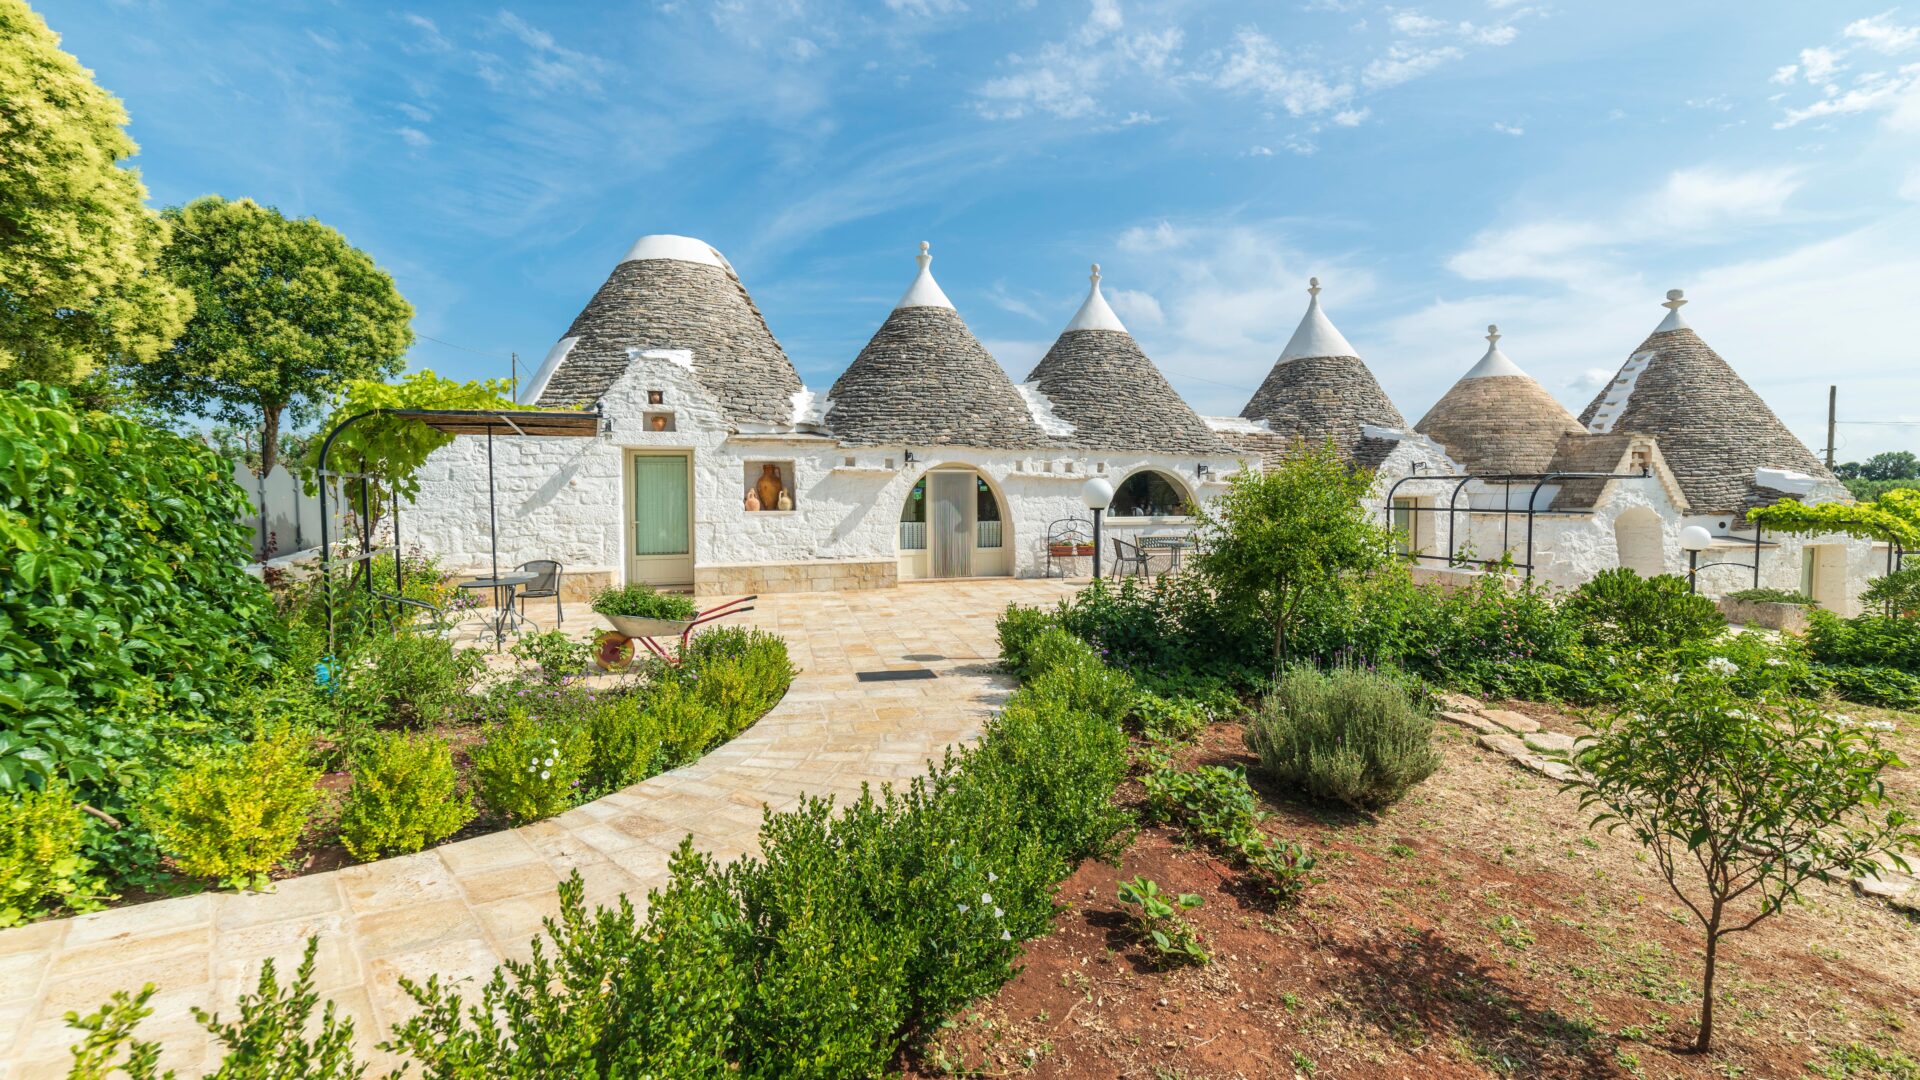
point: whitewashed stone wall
(565, 499)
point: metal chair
(1127, 556)
(1068, 539)
(545, 585)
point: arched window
(1148, 494)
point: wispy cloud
(414, 137)
(1842, 92)
(1505, 128)
(1065, 78)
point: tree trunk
(1704, 1043)
(269, 435)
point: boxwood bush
(1347, 735)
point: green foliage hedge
(1345, 735)
(126, 610)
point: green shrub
(41, 864)
(641, 601)
(1017, 627)
(1159, 717)
(1068, 760)
(1865, 641)
(235, 813)
(1885, 687)
(686, 724)
(1347, 735)
(1895, 594)
(553, 654)
(624, 743)
(1619, 609)
(739, 674)
(528, 769)
(1216, 804)
(404, 797)
(1170, 940)
(268, 1040)
(411, 680)
(1772, 596)
(126, 604)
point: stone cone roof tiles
(1316, 397)
(664, 296)
(1497, 419)
(925, 380)
(1099, 381)
(1713, 430)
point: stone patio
(458, 910)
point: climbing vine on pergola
(1894, 516)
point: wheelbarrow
(615, 648)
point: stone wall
(815, 575)
(1791, 618)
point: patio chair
(545, 585)
(1068, 539)
(418, 616)
(1130, 558)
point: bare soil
(1478, 928)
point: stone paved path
(457, 910)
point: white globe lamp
(1097, 493)
(1694, 540)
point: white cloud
(1352, 117)
(802, 48)
(1160, 236)
(429, 37)
(1136, 308)
(1415, 24)
(1404, 62)
(927, 7)
(1871, 92)
(1881, 34)
(1692, 204)
(1065, 78)
(547, 65)
(1819, 63)
(1910, 187)
(1258, 66)
(1259, 151)
(1784, 74)
(413, 112)
(1508, 129)
(414, 137)
(1139, 118)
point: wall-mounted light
(1204, 470)
(909, 459)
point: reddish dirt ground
(1475, 929)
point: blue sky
(1553, 167)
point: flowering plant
(529, 769)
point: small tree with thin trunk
(1277, 538)
(1742, 797)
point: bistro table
(505, 614)
(1172, 545)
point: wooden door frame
(627, 510)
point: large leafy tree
(288, 314)
(77, 244)
(1278, 539)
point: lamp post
(1097, 493)
(1693, 541)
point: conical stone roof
(675, 292)
(1099, 382)
(925, 380)
(1497, 419)
(1320, 389)
(1713, 430)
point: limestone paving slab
(459, 909)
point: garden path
(459, 909)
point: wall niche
(767, 487)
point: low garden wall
(1791, 618)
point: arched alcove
(1638, 541)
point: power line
(1889, 423)
(462, 348)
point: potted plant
(638, 610)
(1064, 549)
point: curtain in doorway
(951, 495)
(659, 505)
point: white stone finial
(924, 292)
(1493, 334)
(1094, 313)
(1313, 286)
(1676, 299)
(1315, 336)
(1494, 362)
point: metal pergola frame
(1506, 512)
(548, 423)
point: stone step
(1512, 721)
(1473, 721)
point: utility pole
(1833, 397)
(513, 380)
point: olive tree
(1279, 537)
(287, 315)
(1742, 797)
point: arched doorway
(953, 525)
(1150, 494)
(1638, 542)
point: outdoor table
(506, 614)
(1172, 545)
